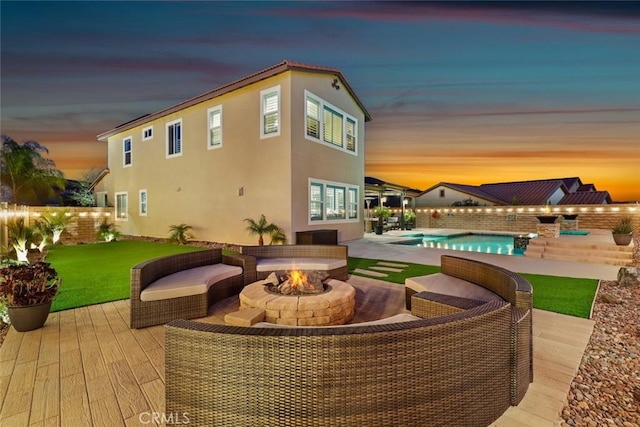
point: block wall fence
(523, 218)
(81, 228)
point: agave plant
(21, 236)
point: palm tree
(261, 228)
(28, 175)
(180, 233)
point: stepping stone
(392, 264)
(245, 317)
(369, 273)
(395, 270)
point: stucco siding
(213, 190)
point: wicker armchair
(148, 313)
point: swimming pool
(501, 244)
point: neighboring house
(286, 142)
(535, 192)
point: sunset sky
(464, 92)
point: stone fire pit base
(334, 307)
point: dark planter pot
(408, 227)
(378, 229)
(29, 317)
(571, 217)
(622, 239)
(547, 219)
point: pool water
(484, 243)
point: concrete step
(587, 259)
(592, 252)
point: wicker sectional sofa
(183, 286)
(461, 366)
(330, 258)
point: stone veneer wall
(81, 228)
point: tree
(81, 192)
(261, 227)
(29, 177)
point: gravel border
(606, 389)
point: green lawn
(100, 272)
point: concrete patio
(86, 367)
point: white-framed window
(147, 133)
(143, 202)
(329, 125)
(332, 123)
(333, 201)
(174, 138)
(270, 112)
(214, 120)
(352, 204)
(122, 206)
(126, 151)
(313, 117)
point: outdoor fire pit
(302, 303)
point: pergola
(381, 193)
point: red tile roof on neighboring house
(237, 84)
(586, 198)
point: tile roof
(586, 198)
(237, 84)
(525, 192)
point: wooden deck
(85, 367)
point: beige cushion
(448, 285)
(275, 264)
(398, 318)
(185, 283)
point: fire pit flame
(296, 282)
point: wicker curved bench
(507, 285)
(331, 258)
(162, 310)
(450, 370)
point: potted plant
(383, 213)
(622, 230)
(409, 219)
(27, 290)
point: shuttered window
(313, 118)
(351, 135)
(215, 127)
(270, 110)
(330, 125)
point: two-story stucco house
(287, 142)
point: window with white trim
(329, 125)
(147, 133)
(214, 119)
(316, 202)
(270, 112)
(332, 202)
(126, 151)
(143, 202)
(352, 207)
(121, 206)
(313, 117)
(174, 138)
